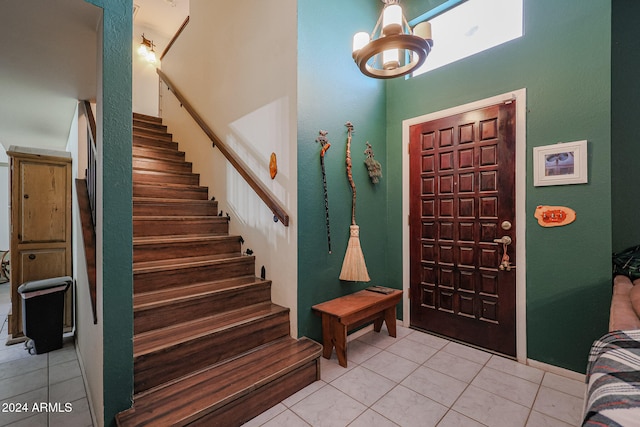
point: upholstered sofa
(613, 370)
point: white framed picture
(560, 164)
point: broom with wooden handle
(354, 268)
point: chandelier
(393, 49)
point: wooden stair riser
(154, 142)
(147, 281)
(153, 177)
(168, 207)
(153, 369)
(153, 133)
(171, 312)
(170, 192)
(146, 117)
(168, 226)
(145, 124)
(158, 153)
(261, 399)
(161, 165)
(167, 249)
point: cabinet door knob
(32, 256)
(26, 196)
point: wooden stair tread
(158, 200)
(181, 238)
(178, 263)
(145, 163)
(147, 151)
(170, 185)
(150, 133)
(146, 117)
(158, 339)
(180, 218)
(160, 173)
(219, 384)
(167, 296)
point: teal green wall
(332, 91)
(625, 87)
(563, 61)
(117, 229)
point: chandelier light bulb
(151, 56)
(392, 20)
(360, 40)
(423, 30)
(391, 59)
(142, 50)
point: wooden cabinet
(40, 225)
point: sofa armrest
(622, 315)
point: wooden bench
(350, 311)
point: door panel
(462, 188)
(43, 202)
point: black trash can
(42, 312)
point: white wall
(236, 63)
(86, 332)
(145, 78)
(89, 337)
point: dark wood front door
(462, 199)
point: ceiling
(48, 62)
(162, 16)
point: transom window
(472, 27)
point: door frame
(520, 187)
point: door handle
(505, 240)
(505, 263)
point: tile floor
(415, 379)
(53, 377)
(421, 380)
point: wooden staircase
(210, 348)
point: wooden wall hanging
(554, 216)
(273, 166)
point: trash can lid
(39, 285)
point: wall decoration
(354, 268)
(325, 144)
(373, 166)
(560, 164)
(273, 166)
(554, 216)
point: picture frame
(560, 164)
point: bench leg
(339, 333)
(327, 341)
(390, 320)
(377, 324)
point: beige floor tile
(407, 408)
(490, 409)
(513, 388)
(559, 405)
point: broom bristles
(354, 268)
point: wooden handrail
(174, 38)
(92, 155)
(86, 196)
(242, 168)
(91, 121)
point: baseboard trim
(567, 373)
